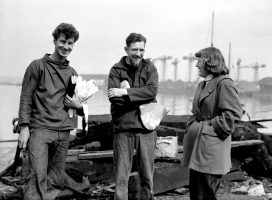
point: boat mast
(229, 55)
(212, 29)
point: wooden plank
(235, 144)
(176, 121)
(75, 152)
(95, 154)
(109, 153)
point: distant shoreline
(16, 81)
(262, 88)
(7, 83)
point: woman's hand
(208, 129)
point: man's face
(135, 52)
(63, 45)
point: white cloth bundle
(151, 115)
(83, 90)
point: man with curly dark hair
(42, 118)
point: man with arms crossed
(133, 81)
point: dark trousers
(123, 145)
(47, 155)
(203, 186)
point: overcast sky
(172, 27)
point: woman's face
(202, 72)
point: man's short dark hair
(135, 37)
(67, 29)
(214, 61)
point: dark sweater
(42, 97)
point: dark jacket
(144, 86)
(43, 91)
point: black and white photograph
(136, 100)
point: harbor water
(179, 103)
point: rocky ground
(228, 191)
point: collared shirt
(208, 78)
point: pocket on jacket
(208, 130)
(210, 144)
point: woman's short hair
(214, 61)
(135, 37)
(67, 29)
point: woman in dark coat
(207, 142)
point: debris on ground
(248, 180)
(250, 187)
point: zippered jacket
(42, 97)
(143, 89)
